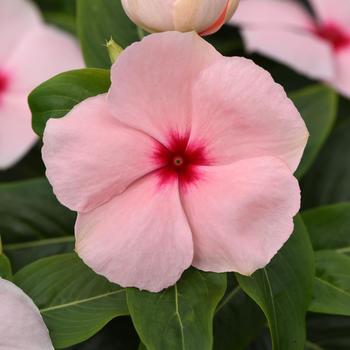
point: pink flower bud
(203, 16)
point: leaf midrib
(81, 301)
(177, 313)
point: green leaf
(22, 254)
(98, 22)
(328, 180)
(29, 211)
(332, 285)
(57, 96)
(283, 290)
(74, 302)
(179, 317)
(318, 107)
(328, 227)
(238, 320)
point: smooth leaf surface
(238, 320)
(283, 290)
(328, 180)
(318, 107)
(22, 254)
(74, 302)
(329, 227)
(180, 317)
(30, 211)
(57, 96)
(332, 285)
(98, 22)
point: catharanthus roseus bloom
(21, 325)
(318, 47)
(203, 16)
(187, 161)
(30, 53)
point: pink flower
(188, 160)
(283, 30)
(21, 326)
(204, 16)
(30, 52)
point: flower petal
(152, 82)
(199, 15)
(342, 80)
(21, 326)
(46, 51)
(16, 134)
(141, 238)
(333, 11)
(17, 17)
(273, 14)
(241, 214)
(90, 157)
(304, 53)
(240, 112)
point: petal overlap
(140, 238)
(245, 114)
(241, 214)
(91, 157)
(160, 102)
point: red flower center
(179, 160)
(3, 82)
(335, 35)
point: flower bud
(203, 16)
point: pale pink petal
(199, 15)
(16, 134)
(241, 214)
(90, 157)
(152, 15)
(304, 53)
(152, 82)
(140, 238)
(21, 325)
(273, 14)
(337, 11)
(17, 18)
(342, 80)
(240, 112)
(45, 52)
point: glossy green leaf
(29, 211)
(22, 254)
(328, 180)
(332, 285)
(318, 107)
(74, 302)
(283, 290)
(329, 227)
(238, 320)
(179, 317)
(99, 21)
(57, 96)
